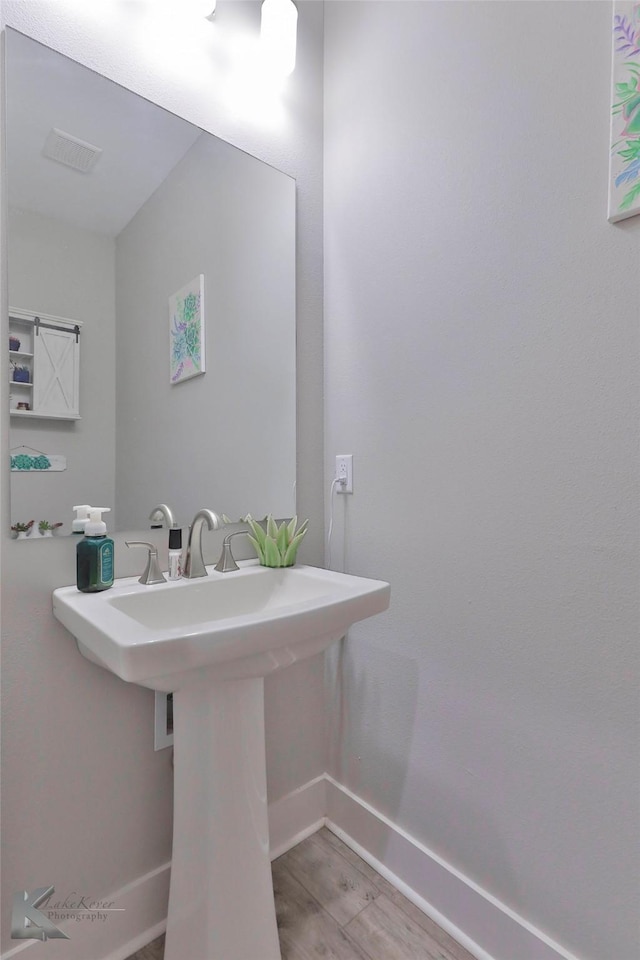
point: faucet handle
(152, 572)
(227, 562)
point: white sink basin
(212, 641)
(247, 623)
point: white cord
(341, 481)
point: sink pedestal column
(221, 895)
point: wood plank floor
(331, 905)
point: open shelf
(45, 416)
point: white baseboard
(138, 942)
(297, 815)
(487, 928)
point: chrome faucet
(158, 513)
(194, 561)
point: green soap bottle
(94, 555)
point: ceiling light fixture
(278, 29)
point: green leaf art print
(186, 331)
(624, 178)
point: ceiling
(141, 142)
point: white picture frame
(624, 164)
(186, 332)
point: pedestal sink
(212, 641)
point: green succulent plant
(22, 527)
(275, 545)
(44, 525)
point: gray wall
(59, 269)
(481, 324)
(224, 440)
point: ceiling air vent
(71, 151)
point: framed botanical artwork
(186, 331)
(624, 167)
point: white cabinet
(44, 360)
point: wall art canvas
(624, 169)
(28, 460)
(186, 332)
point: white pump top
(95, 527)
(82, 517)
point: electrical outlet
(344, 472)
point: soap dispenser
(94, 555)
(81, 520)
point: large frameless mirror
(151, 279)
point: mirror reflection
(160, 263)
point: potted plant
(275, 545)
(46, 529)
(21, 374)
(22, 529)
(14, 343)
